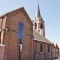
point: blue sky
(50, 11)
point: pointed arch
(20, 30)
(35, 26)
(41, 47)
(41, 25)
(48, 48)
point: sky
(49, 9)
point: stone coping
(2, 44)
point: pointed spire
(38, 15)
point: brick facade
(10, 39)
(42, 55)
(30, 47)
(2, 49)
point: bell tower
(38, 23)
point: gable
(14, 12)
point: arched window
(48, 48)
(35, 26)
(41, 26)
(20, 31)
(41, 47)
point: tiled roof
(38, 37)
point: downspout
(51, 51)
(44, 51)
(36, 49)
(32, 49)
(55, 52)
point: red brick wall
(44, 54)
(11, 40)
(2, 49)
(55, 52)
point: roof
(38, 37)
(20, 9)
(38, 12)
(10, 12)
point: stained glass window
(20, 30)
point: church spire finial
(38, 11)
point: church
(24, 39)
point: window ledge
(2, 44)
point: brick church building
(24, 39)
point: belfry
(38, 23)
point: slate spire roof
(38, 15)
(38, 37)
